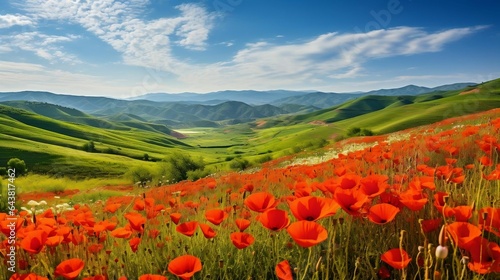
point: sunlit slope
(45, 144)
(384, 114)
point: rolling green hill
(55, 146)
(390, 113)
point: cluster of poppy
(373, 185)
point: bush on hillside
(356, 131)
(89, 147)
(178, 165)
(140, 175)
(239, 164)
(19, 166)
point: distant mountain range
(280, 97)
(187, 109)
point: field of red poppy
(418, 204)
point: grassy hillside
(55, 146)
(391, 113)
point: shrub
(178, 165)
(89, 147)
(356, 131)
(239, 164)
(264, 158)
(140, 174)
(194, 175)
(17, 164)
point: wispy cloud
(120, 24)
(321, 59)
(44, 46)
(10, 20)
(17, 76)
(314, 62)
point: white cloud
(17, 76)
(42, 45)
(9, 20)
(319, 60)
(316, 62)
(140, 42)
(195, 26)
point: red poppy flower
(134, 243)
(382, 213)
(494, 175)
(30, 276)
(215, 216)
(139, 204)
(384, 273)
(440, 204)
(175, 217)
(349, 181)
(489, 219)
(462, 213)
(208, 232)
(185, 266)
(307, 233)
(431, 225)
(283, 271)
(274, 219)
(374, 185)
(241, 239)
(152, 277)
(351, 200)
(95, 248)
(136, 221)
(97, 277)
(414, 200)
(463, 233)
(397, 258)
(312, 208)
(121, 233)
(54, 240)
(5, 225)
(187, 228)
(242, 224)
(485, 256)
(260, 202)
(34, 241)
(69, 269)
(112, 208)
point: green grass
(55, 147)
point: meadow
(421, 203)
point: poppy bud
(319, 263)
(442, 236)
(441, 252)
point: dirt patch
(119, 188)
(260, 123)
(472, 91)
(318, 122)
(177, 135)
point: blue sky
(131, 47)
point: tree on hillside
(179, 164)
(356, 131)
(239, 164)
(140, 175)
(17, 164)
(89, 147)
